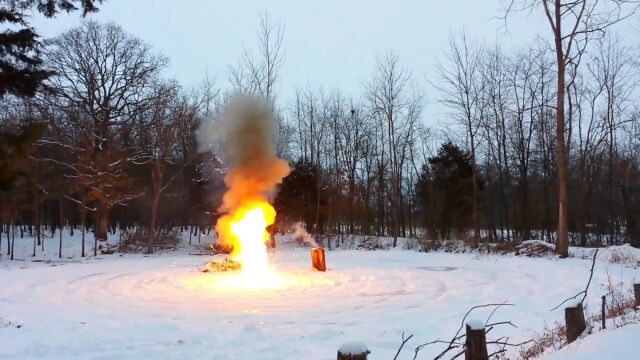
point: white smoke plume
(300, 234)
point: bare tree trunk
(402, 227)
(562, 241)
(8, 244)
(381, 212)
(526, 227)
(34, 246)
(157, 184)
(82, 222)
(476, 190)
(612, 217)
(102, 223)
(61, 224)
(95, 230)
(394, 185)
(36, 219)
(352, 216)
(13, 242)
(42, 228)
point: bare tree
(573, 24)
(309, 118)
(461, 89)
(352, 134)
(526, 87)
(158, 143)
(103, 83)
(396, 106)
(259, 74)
(612, 70)
(495, 124)
(165, 131)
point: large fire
(246, 132)
(249, 229)
(246, 228)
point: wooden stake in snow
(636, 291)
(476, 342)
(353, 351)
(574, 317)
(317, 259)
(573, 311)
(603, 312)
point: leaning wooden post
(353, 351)
(475, 346)
(317, 259)
(574, 318)
(636, 291)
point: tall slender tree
(573, 24)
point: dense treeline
(382, 171)
(114, 145)
(504, 101)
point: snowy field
(161, 306)
(619, 343)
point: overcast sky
(329, 43)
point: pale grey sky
(329, 43)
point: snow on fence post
(317, 259)
(353, 351)
(636, 291)
(475, 345)
(574, 318)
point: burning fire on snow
(246, 133)
(246, 227)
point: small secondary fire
(246, 133)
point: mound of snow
(619, 344)
(622, 254)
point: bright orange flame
(245, 229)
(246, 130)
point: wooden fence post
(476, 343)
(603, 312)
(575, 324)
(636, 291)
(353, 351)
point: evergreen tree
(13, 151)
(445, 190)
(298, 194)
(21, 68)
(22, 72)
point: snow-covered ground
(161, 306)
(619, 343)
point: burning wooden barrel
(317, 259)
